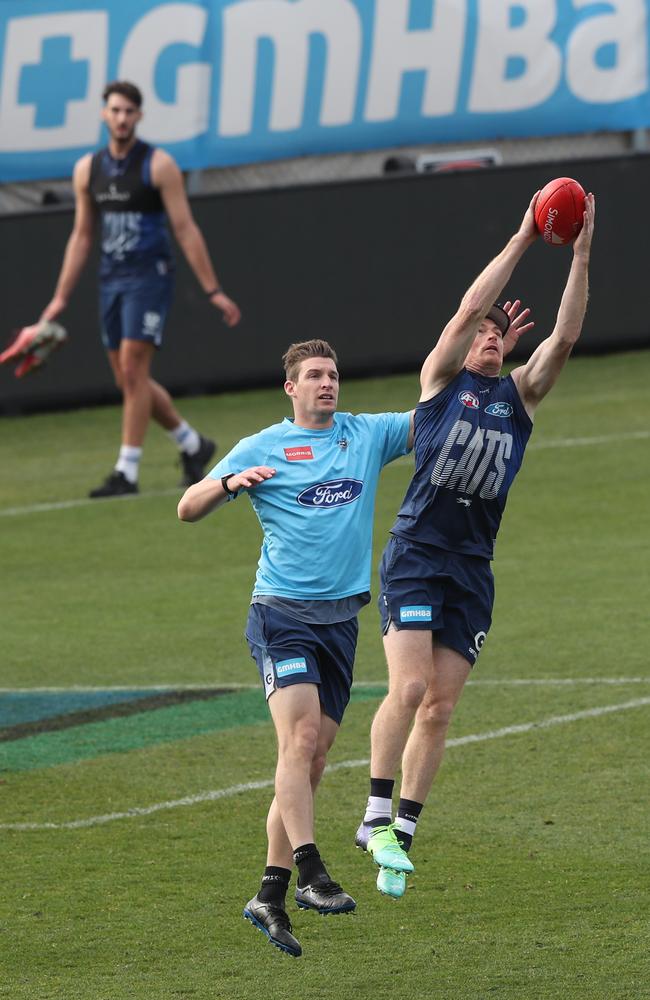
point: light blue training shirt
(317, 511)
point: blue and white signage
(234, 81)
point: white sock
(407, 825)
(378, 809)
(187, 439)
(128, 462)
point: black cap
(499, 316)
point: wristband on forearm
(230, 494)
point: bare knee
(436, 712)
(301, 743)
(132, 378)
(409, 692)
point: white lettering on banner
(396, 50)
(24, 37)
(626, 29)
(569, 62)
(498, 41)
(169, 24)
(288, 25)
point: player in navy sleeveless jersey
(437, 591)
(133, 189)
(312, 482)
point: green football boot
(386, 851)
(391, 882)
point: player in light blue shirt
(312, 481)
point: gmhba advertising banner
(237, 81)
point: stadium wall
(376, 267)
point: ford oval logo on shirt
(499, 409)
(335, 493)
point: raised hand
(582, 243)
(528, 228)
(250, 477)
(518, 324)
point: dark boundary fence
(376, 267)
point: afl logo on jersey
(335, 493)
(468, 398)
(499, 409)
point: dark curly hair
(124, 89)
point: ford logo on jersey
(499, 409)
(335, 493)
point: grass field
(133, 795)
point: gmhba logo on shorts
(415, 613)
(285, 668)
(335, 493)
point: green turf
(532, 854)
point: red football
(559, 211)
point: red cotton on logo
(298, 454)
(469, 399)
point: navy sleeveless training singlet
(469, 445)
(134, 231)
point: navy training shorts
(288, 651)
(427, 588)
(135, 306)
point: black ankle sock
(408, 810)
(275, 883)
(310, 866)
(382, 788)
(404, 839)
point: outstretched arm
(448, 356)
(206, 496)
(539, 374)
(168, 179)
(79, 243)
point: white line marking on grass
(577, 442)
(477, 682)
(223, 793)
(45, 508)
(581, 442)
(98, 689)
(551, 681)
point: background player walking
(437, 588)
(134, 188)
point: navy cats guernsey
(134, 225)
(469, 445)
